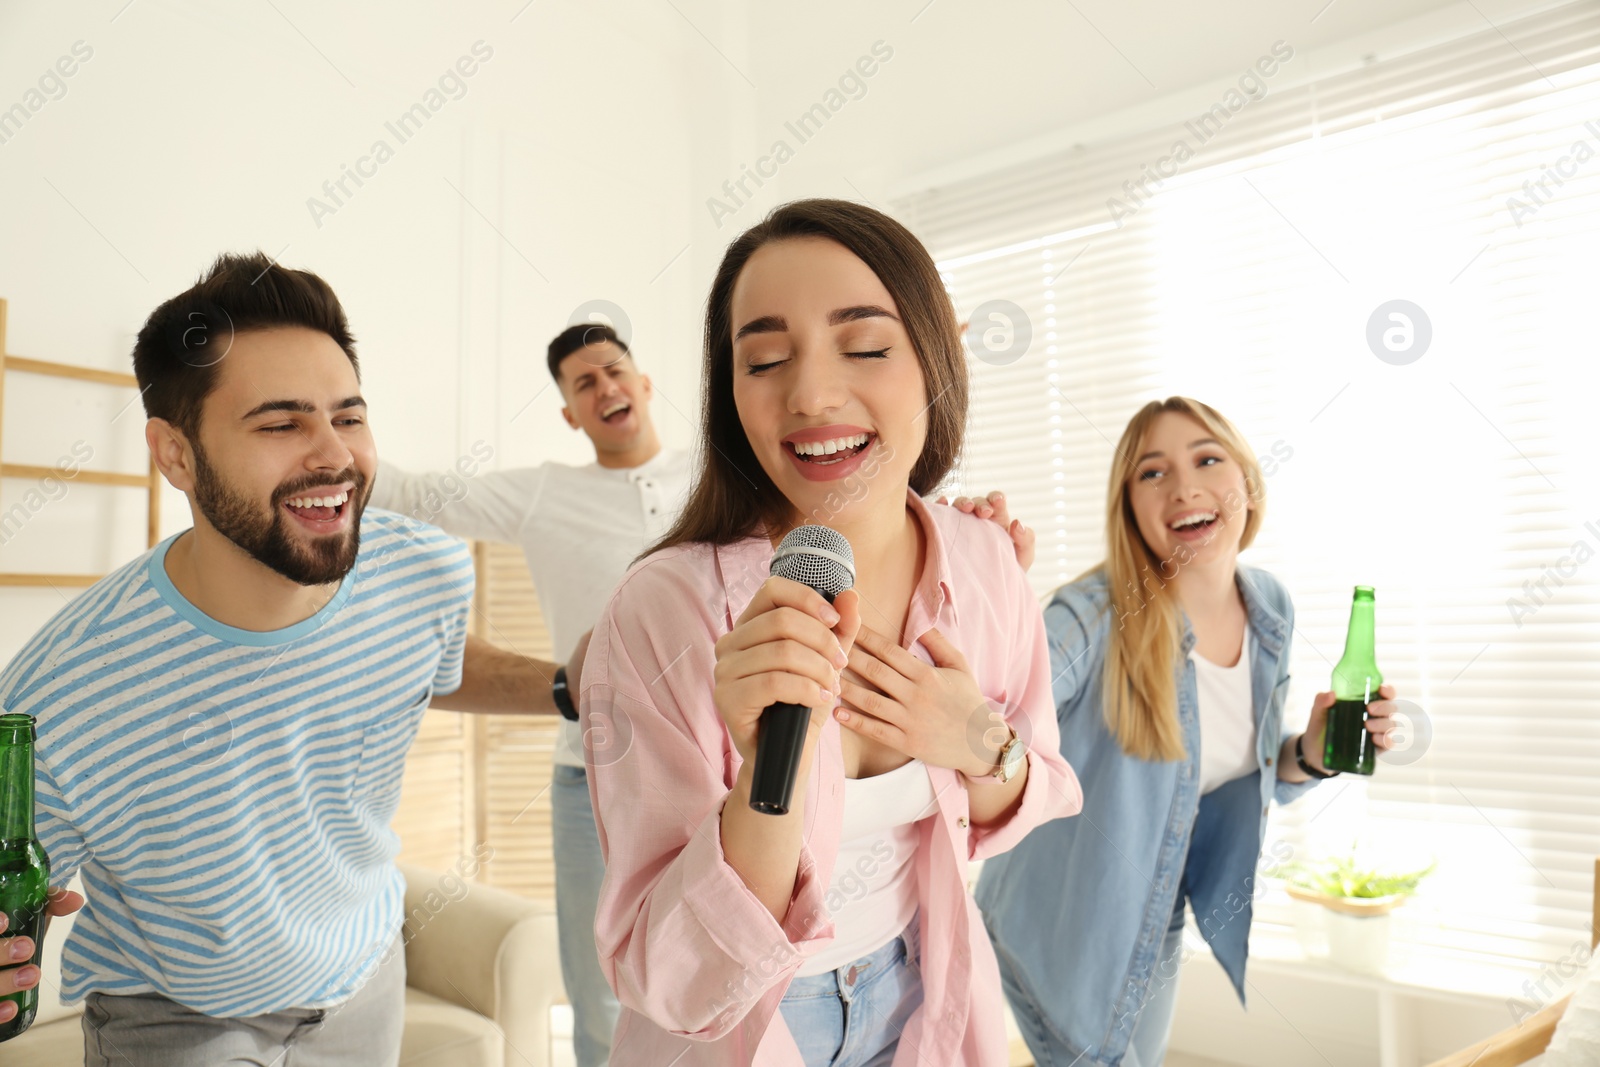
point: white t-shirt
(873, 894)
(1227, 719)
(579, 527)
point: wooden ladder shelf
(149, 482)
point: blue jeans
(1147, 1047)
(579, 869)
(1153, 1028)
(852, 1017)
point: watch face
(1015, 755)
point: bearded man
(223, 723)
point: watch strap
(561, 693)
(998, 774)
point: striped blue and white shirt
(226, 793)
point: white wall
(560, 175)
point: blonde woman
(1170, 662)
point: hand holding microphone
(778, 668)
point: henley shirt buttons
(1269, 761)
(961, 821)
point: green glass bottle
(24, 867)
(1348, 745)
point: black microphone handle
(780, 740)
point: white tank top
(873, 894)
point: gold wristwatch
(1013, 754)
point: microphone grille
(818, 557)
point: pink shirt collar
(933, 597)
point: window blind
(1465, 179)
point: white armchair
(490, 961)
(482, 975)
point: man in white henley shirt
(580, 528)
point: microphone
(821, 558)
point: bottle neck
(1356, 677)
(16, 792)
(1359, 639)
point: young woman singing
(841, 933)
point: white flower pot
(1357, 929)
(1359, 942)
(1310, 928)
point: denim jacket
(1078, 910)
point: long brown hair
(1141, 688)
(732, 496)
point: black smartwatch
(1300, 758)
(561, 693)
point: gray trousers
(148, 1030)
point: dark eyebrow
(589, 375)
(857, 313)
(837, 317)
(303, 407)
(765, 324)
(1192, 444)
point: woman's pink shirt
(698, 963)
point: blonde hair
(1141, 689)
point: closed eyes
(757, 368)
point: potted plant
(1357, 899)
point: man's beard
(268, 539)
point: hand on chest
(864, 757)
(920, 703)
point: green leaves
(1342, 876)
